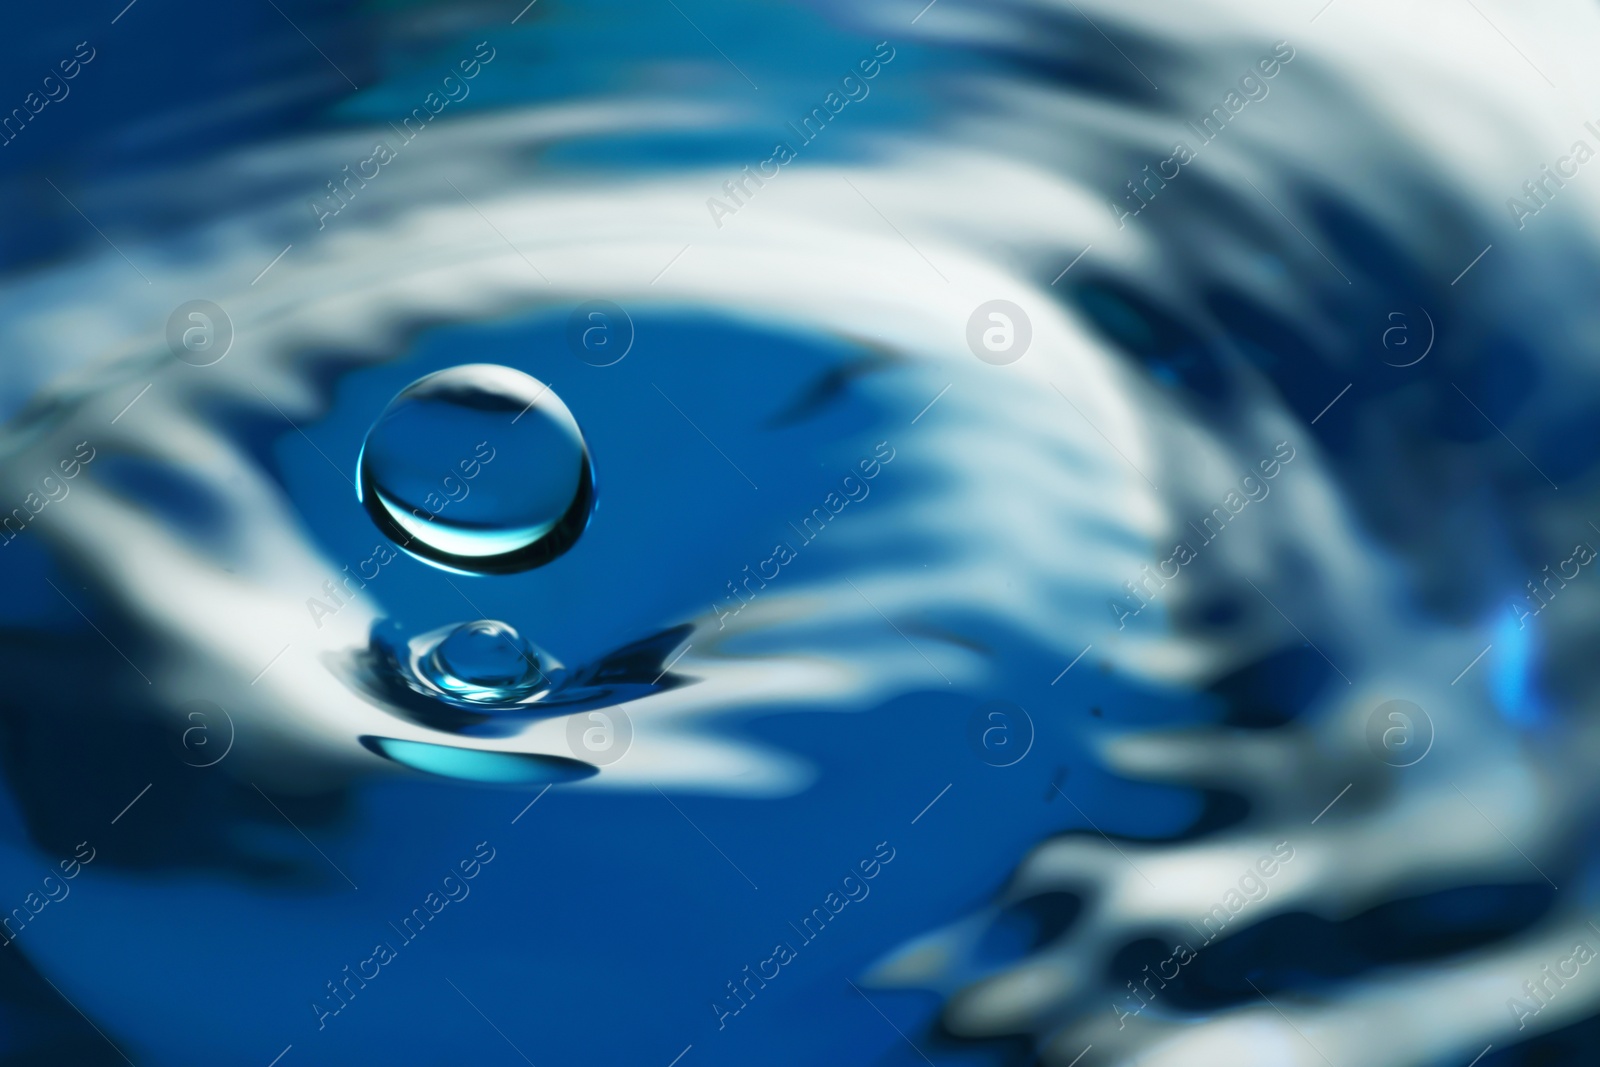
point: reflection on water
(1177, 555)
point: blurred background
(694, 533)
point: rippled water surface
(799, 533)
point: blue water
(589, 564)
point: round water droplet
(485, 662)
(478, 468)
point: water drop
(478, 468)
(484, 661)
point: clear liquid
(478, 468)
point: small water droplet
(478, 468)
(479, 765)
(484, 661)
